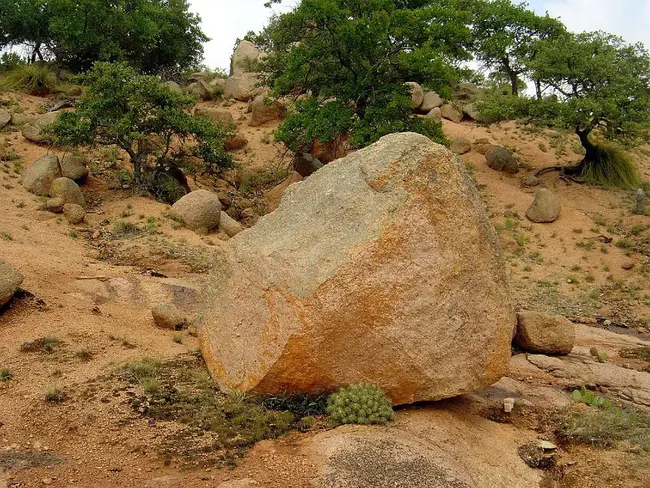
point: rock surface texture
(10, 281)
(381, 267)
(545, 334)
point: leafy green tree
(358, 55)
(154, 36)
(505, 36)
(142, 116)
(597, 85)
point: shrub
(9, 61)
(55, 395)
(42, 344)
(5, 374)
(35, 79)
(611, 166)
(362, 403)
(583, 395)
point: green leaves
(362, 403)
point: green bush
(583, 395)
(362, 403)
(34, 79)
(9, 61)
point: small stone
(74, 167)
(435, 114)
(55, 205)
(544, 334)
(5, 118)
(508, 405)
(10, 281)
(451, 112)
(530, 181)
(75, 214)
(167, 316)
(546, 445)
(68, 191)
(460, 145)
(431, 100)
(502, 159)
(628, 265)
(235, 143)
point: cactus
(362, 403)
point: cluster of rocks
(32, 127)
(58, 179)
(201, 211)
(433, 106)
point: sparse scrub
(5, 374)
(583, 395)
(84, 354)
(362, 403)
(42, 345)
(34, 79)
(55, 395)
(610, 166)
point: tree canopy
(358, 55)
(154, 36)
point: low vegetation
(34, 79)
(360, 404)
(42, 345)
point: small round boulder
(68, 191)
(167, 316)
(74, 167)
(199, 211)
(545, 209)
(417, 94)
(460, 145)
(10, 281)
(75, 214)
(502, 159)
(544, 334)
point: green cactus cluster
(362, 403)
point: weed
(6, 236)
(84, 354)
(600, 357)
(42, 344)
(575, 267)
(636, 353)
(625, 243)
(124, 228)
(572, 279)
(178, 338)
(583, 395)
(5, 374)
(604, 249)
(55, 395)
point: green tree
(358, 55)
(505, 37)
(597, 85)
(154, 36)
(142, 116)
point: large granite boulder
(381, 267)
(244, 58)
(199, 211)
(544, 334)
(242, 87)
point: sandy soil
(95, 292)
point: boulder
(326, 152)
(236, 142)
(40, 175)
(68, 191)
(435, 114)
(417, 94)
(460, 145)
(530, 181)
(10, 281)
(244, 58)
(381, 267)
(55, 205)
(167, 316)
(74, 214)
(199, 211)
(305, 164)
(451, 112)
(20, 119)
(471, 111)
(229, 226)
(220, 115)
(173, 86)
(75, 91)
(5, 118)
(502, 159)
(483, 147)
(544, 334)
(274, 195)
(466, 92)
(266, 112)
(74, 167)
(200, 89)
(242, 87)
(545, 209)
(33, 131)
(430, 101)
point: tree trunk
(591, 152)
(514, 83)
(538, 89)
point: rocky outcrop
(544, 334)
(502, 159)
(275, 194)
(451, 112)
(68, 191)
(199, 211)
(417, 94)
(381, 267)
(10, 281)
(242, 87)
(219, 115)
(545, 209)
(33, 131)
(430, 101)
(244, 58)
(39, 176)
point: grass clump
(84, 354)
(34, 79)
(362, 403)
(606, 428)
(5, 374)
(611, 166)
(636, 353)
(43, 344)
(55, 395)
